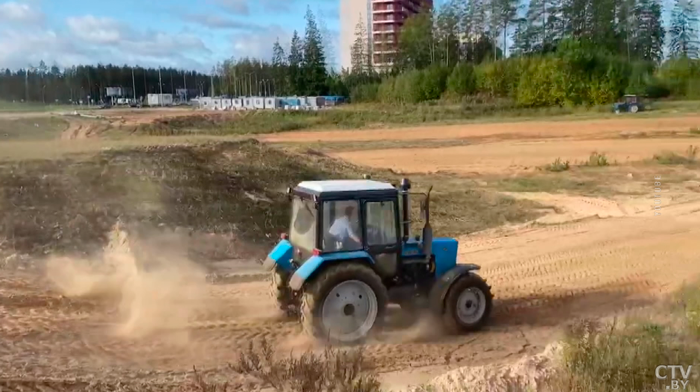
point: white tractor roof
(345, 186)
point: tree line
(51, 84)
(546, 52)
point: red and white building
(384, 19)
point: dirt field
(63, 324)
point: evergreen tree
(359, 52)
(294, 74)
(537, 32)
(506, 12)
(279, 64)
(683, 30)
(447, 33)
(314, 61)
(647, 37)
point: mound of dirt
(228, 197)
(527, 374)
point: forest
(543, 53)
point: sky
(190, 34)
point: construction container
(273, 103)
(248, 104)
(160, 99)
(259, 102)
(237, 103)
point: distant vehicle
(632, 104)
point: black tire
(282, 294)
(318, 289)
(451, 320)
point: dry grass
(557, 166)
(672, 158)
(31, 129)
(597, 159)
(333, 371)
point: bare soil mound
(235, 190)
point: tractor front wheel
(468, 304)
(344, 303)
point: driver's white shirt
(341, 228)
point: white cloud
(89, 40)
(96, 30)
(216, 21)
(258, 43)
(20, 13)
(235, 6)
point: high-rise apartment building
(384, 20)
(388, 16)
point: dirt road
(588, 129)
(512, 156)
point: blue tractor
(349, 253)
(632, 104)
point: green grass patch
(22, 107)
(549, 184)
(358, 116)
(39, 128)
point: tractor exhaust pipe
(427, 229)
(406, 213)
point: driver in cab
(342, 231)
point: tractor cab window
(303, 231)
(381, 223)
(341, 226)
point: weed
(694, 131)
(557, 166)
(619, 358)
(597, 159)
(672, 158)
(333, 371)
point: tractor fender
(315, 263)
(281, 255)
(438, 292)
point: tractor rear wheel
(468, 304)
(344, 303)
(282, 294)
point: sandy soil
(587, 129)
(512, 156)
(154, 326)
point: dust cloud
(155, 287)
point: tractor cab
(349, 252)
(339, 218)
